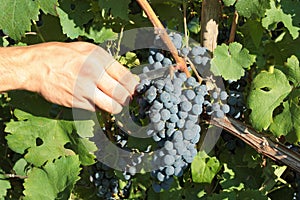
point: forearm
(14, 69)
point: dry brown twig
(233, 27)
(160, 29)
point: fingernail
(117, 108)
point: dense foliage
(45, 154)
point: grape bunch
(176, 105)
(157, 60)
(105, 180)
(218, 106)
(236, 97)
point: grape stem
(160, 29)
(200, 79)
(233, 27)
(262, 144)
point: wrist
(14, 63)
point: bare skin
(77, 74)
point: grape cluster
(176, 105)
(157, 60)
(236, 98)
(218, 106)
(105, 180)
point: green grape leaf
(292, 70)
(20, 166)
(44, 139)
(282, 123)
(293, 8)
(253, 8)
(78, 11)
(204, 168)
(49, 30)
(84, 148)
(231, 61)
(4, 185)
(228, 2)
(102, 35)
(236, 195)
(54, 181)
(116, 7)
(73, 18)
(130, 60)
(48, 6)
(268, 90)
(16, 19)
(194, 25)
(275, 15)
(282, 49)
(253, 33)
(68, 25)
(229, 180)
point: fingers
(113, 89)
(117, 71)
(106, 103)
(123, 75)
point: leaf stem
(15, 176)
(38, 31)
(185, 25)
(233, 27)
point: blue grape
(169, 170)
(159, 57)
(186, 106)
(155, 117)
(157, 65)
(182, 114)
(168, 145)
(223, 95)
(174, 118)
(185, 51)
(220, 114)
(151, 94)
(165, 114)
(198, 60)
(215, 95)
(156, 187)
(169, 160)
(164, 97)
(190, 94)
(167, 62)
(191, 81)
(151, 60)
(146, 69)
(159, 84)
(177, 136)
(197, 109)
(225, 108)
(159, 126)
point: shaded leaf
(116, 7)
(274, 15)
(268, 90)
(253, 8)
(54, 181)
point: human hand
(80, 75)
